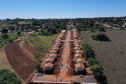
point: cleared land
(111, 55)
(18, 58)
(20, 62)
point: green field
(111, 54)
(43, 42)
(20, 23)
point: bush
(45, 32)
(100, 37)
(18, 33)
(5, 36)
(102, 29)
(87, 50)
(9, 77)
(97, 70)
(92, 61)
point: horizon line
(62, 18)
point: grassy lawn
(43, 42)
(111, 55)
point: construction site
(65, 63)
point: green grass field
(20, 23)
(111, 55)
(43, 42)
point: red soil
(20, 61)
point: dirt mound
(20, 62)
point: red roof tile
(76, 55)
(50, 59)
(80, 65)
(49, 64)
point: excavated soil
(20, 61)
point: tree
(87, 50)
(19, 33)
(92, 61)
(102, 29)
(97, 70)
(45, 32)
(100, 37)
(4, 31)
(5, 36)
(9, 77)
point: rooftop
(49, 64)
(80, 65)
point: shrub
(97, 70)
(92, 61)
(5, 36)
(102, 29)
(9, 77)
(18, 33)
(87, 50)
(100, 37)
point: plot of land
(3, 61)
(111, 55)
(20, 62)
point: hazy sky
(61, 8)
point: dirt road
(65, 60)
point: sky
(40, 9)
